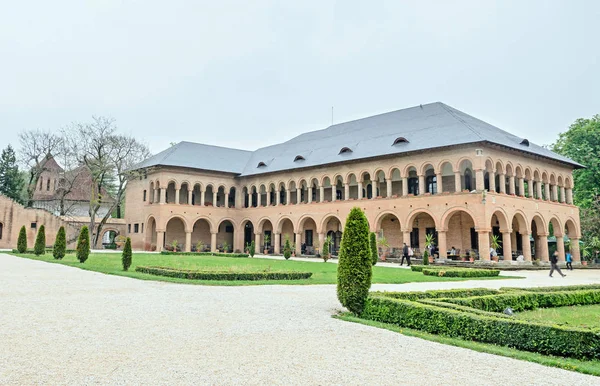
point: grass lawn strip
(322, 273)
(578, 316)
(591, 367)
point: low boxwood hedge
(205, 254)
(31, 252)
(460, 272)
(451, 293)
(535, 337)
(522, 301)
(223, 275)
(554, 289)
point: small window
(345, 150)
(34, 225)
(299, 158)
(142, 227)
(525, 142)
(128, 228)
(136, 228)
(261, 164)
(400, 140)
(41, 183)
(145, 195)
(1, 226)
(48, 185)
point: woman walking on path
(553, 261)
(569, 261)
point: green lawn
(323, 273)
(574, 316)
(591, 367)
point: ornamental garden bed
(223, 275)
(477, 315)
(454, 272)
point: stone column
(278, 197)
(321, 193)
(346, 192)
(406, 238)
(214, 197)
(421, 185)
(333, 193)
(560, 247)
(502, 182)
(226, 200)
(479, 183)
(298, 196)
(258, 199)
(484, 245)
(188, 241)
(288, 196)
(298, 244)
(249, 200)
(555, 193)
(538, 186)
(374, 188)
(562, 194)
(163, 195)
(569, 196)
(213, 241)
(277, 243)
(526, 246)
(575, 253)
(360, 192)
(156, 194)
(492, 178)
(309, 194)
(202, 196)
(177, 196)
(457, 182)
(442, 246)
(543, 248)
(257, 243)
(388, 187)
(160, 240)
(511, 185)
(405, 186)
(439, 184)
(507, 245)
(530, 188)
(547, 191)
(522, 187)
(269, 198)
(321, 240)
(190, 193)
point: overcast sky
(248, 74)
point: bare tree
(70, 178)
(36, 147)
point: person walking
(410, 254)
(553, 264)
(404, 254)
(569, 261)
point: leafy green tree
(252, 248)
(355, 263)
(325, 253)
(126, 258)
(40, 242)
(287, 249)
(11, 179)
(581, 143)
(373, 243)
(60, 244)
(22, 240)
(83, 244)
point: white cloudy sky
(252, 73)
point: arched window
(525, 142)
(431, 184)
(400, 140)
(468, 180)
(261, 164)
(413, 186)
(345, 150)
(486, 181)
(299, 158)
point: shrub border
(223, 275)
(205, 254)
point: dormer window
(261, 164)
(299, 158)
(345, 150)
(400, 140)
(525, 142)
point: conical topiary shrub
(126, 258)
(60, 244)
(83, 245)
(355, 265)
(22, 240)
(373, 245)
(40, 242)
(287, 249)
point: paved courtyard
(62, 325)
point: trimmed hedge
(535, 337)
(452, 293)
(22, 240)
(458, 272)
(223, 275)
(554, 289)
(60, 244)
(39, 248)
(205, 254)
(521, 301)
(83, 244)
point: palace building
(429, 169)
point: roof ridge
(220, 147)
(449, 110)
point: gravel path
(60, 325)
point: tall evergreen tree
(373, 245)
(40, 242)
(60, 245)
(83, 245)
(126, 257)
(11, 182)
(355, 266)
(22, 241)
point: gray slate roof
(428, 126)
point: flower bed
(223, 275)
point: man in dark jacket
(405, 254)
(553, 264)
